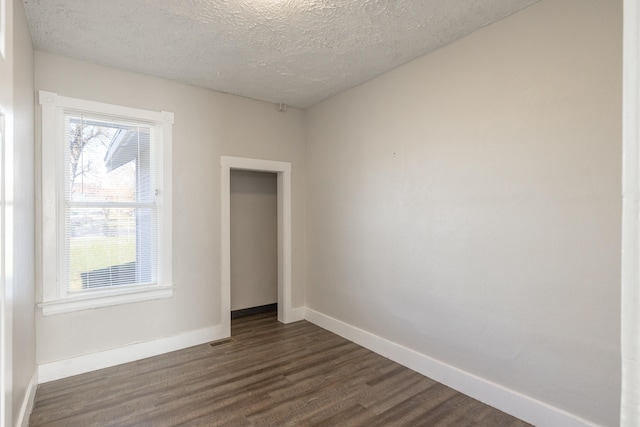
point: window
(106, 204)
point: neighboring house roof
(125, 146)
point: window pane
(110, 247)
(108, 160)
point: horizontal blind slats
(111, 230)
(109, 205)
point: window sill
(104, 299)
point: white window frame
(56, 299)
(630, 327)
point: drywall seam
(116, 356)
(509, 401)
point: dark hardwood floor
(268, 374)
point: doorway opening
(283, 173)
(254, 242)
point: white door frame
(630, 398)
(6, 313)
(283, 170)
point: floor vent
(220, 342)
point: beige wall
(207, 125)
(467, 205)
(254, 239)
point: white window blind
(110, 211)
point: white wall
(6, 224)
(18, 326)
(467, 205)
(24, 341)
(207, 125)
(254, 239)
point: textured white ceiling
(297, 52)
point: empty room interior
(426, 195)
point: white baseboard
(519, 405)
(296, 314)
(116, 356)
(27, 403)
(509, 401)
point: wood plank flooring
(268, 374)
